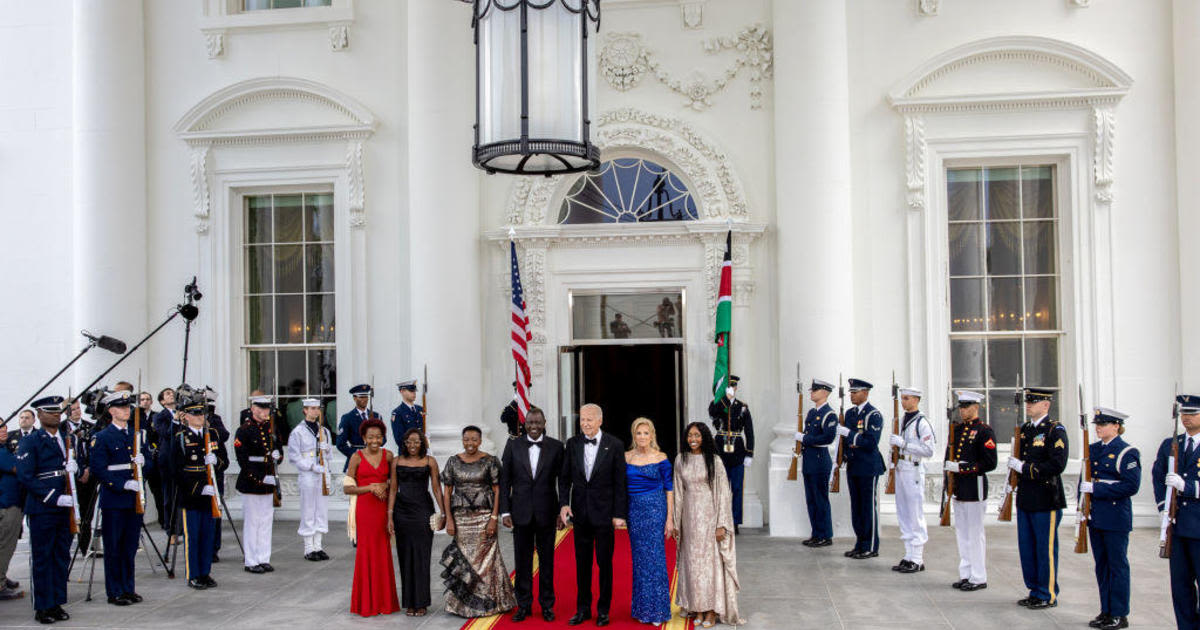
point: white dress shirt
(535, 454)
(589, 454)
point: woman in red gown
(374, 591)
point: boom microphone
(112, 344)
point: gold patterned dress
(476, 580)
(707, 569)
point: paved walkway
(784, 585)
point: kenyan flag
(724, 322)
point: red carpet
(564, 590)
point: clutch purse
(348, 482)
(436, 521)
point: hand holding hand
(843, 431)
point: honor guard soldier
(820, 430)
(308, 447)
(1040, 497)
(734, 440)
(1116, 476)
(1185, 479)
(349, 440)
(916, 443)
(511, 416)
(196, 494)
(112, 460)
(864, 465)
(216, 423)
(408, 414)
(972, 457)
(257, 457)
(42, 469)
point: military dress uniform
(42, 470)
(916, 435)
(190, 474)
(406, 416)
(972, 457)
(864, 465)
(216, 423)
(734, 438)
(511, 417)
(306, 451)
(1184, 477)
(349, 440)
(1040, 502)
(111, 460)
(820, 430)
(257, 456)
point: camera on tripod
(92, 404)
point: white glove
(210, 459)
(896, 440)
(208, 491)
(1015, 464)
(72, 467)
(139, 459)
(269, 480)
(747, 462)
(1085, 487)
(799, 436)
(65, 501)
(843, 431)
(317, 468)
(132, 486)
(1175, 481)
(950, 467)
(277, 456)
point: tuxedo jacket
(531, 496)
(599, 500)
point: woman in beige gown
(705, 556)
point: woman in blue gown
(651, 501)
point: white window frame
(225, 17)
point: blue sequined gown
(648, 487)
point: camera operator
(165, 428)
(83, 429)
(152, 474)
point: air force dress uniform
(256, 455)
(864, 465)
(1116, 476)
(734, 437)
(820, 430)
(916, 443)
(406, 416)
(195, 496)
(307, 448)
(1185, 545)
(972, 456)
(1040, 502)
(349, 440)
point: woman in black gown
(411, 506)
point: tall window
(628, 190)
(289, 298)
(262, 5)
(1004, 285)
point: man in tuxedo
(593, 495)
(529, 477)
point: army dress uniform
(405, 416)
(216, 423)
(1184, 478)
(917, 444)
(1116, 477)
(1040, 502)
(510, 417)
(349, 440)
(820, 430)
(257, 483)
(972, 457)
(734, 438)
(306, 451)
(190, 475)
(864, 465)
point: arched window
(628, 190)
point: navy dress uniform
(916, 444)
(511, 417)
(257, 457)
(308, 450)
(972, 457)
(734, 438)
(111, 459)
(864, 465)
(1040, 501)
(1184, 477)
(349, 440)
(1116, 476)
(190, 473)
(406, 415)
(42, 469)
(820, 430)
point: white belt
(119, 466)
(256, 458)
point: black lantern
(531, 86)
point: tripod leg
(96, 533)
(232, 526)
(153, 545)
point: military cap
(911, 391)
(1038, 394)
(967, 398)
(361, 390)
(310, 402)
(1188, 403)
(1104, 415)
(819, 384)
(857, 384)
(117, 399)
(410, 385)
(734, 380)
(49, 404)
(260, 401)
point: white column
(812, 214)
(1187, 161)
(109, 180)
(443, 222)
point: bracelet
(492, 517)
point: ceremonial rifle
(1085, 498)
(835, 484)
(792, 468)
(891, 479)
(1167, 533)
(1010, 487)
(424, 391)
(276, 496)
(947, 476)
(321, 452)
(208, 468)
(139, 505)
(71, 481)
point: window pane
(627, 315)
(320, 318)
(966, 304)
(322, 372)
(1001, 194)
(258, 219)
(1004, 249)
(257, 5)
(966, 363)
(1041, 301)
(285, 4)
(289, 268)
(289, 319)
(962, 193)
(289, 219)
(319, 266)
(1004, 359)
(318, 217)
(262, 370)
(1041, 362)
(628, 190)
(258, 320)
(1003, 413)
(258, 269)
(965, 258)
(1004, 295)
(1040, 252)
(1037, 189)
(292, 373)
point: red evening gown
(374, 591)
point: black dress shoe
(216, 558)
(59, 613)
(736, 530)
(959, 584)
(13, 584)
(321, 555)
(548, 615)
(119, 600)
(602, 619)
(207, 581)
(520, 615)
(311, 556)
(913, 568)
(266, 566)
(199, 584)
(1099, 621)
(1038, 604)
(903, 564)
(823, 542)
(133, 597)
(1114, 623)
(971, 586)
(43, 616)
(863, 555)
(579, 618)
(851, 553)
(255, 569)
(808, 542)
(1027, 601)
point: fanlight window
(628, 190)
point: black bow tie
(537, 444)
(591, 441)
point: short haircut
(470, 427)
(123, 386)
(27, 411)
(404, 442)
(592, 407)
(535, 411)
(163, 392)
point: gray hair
(592, 407)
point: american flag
(520, 337)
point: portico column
(1187, 159)
(443, 221)
(813, 237)
(109, 179)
